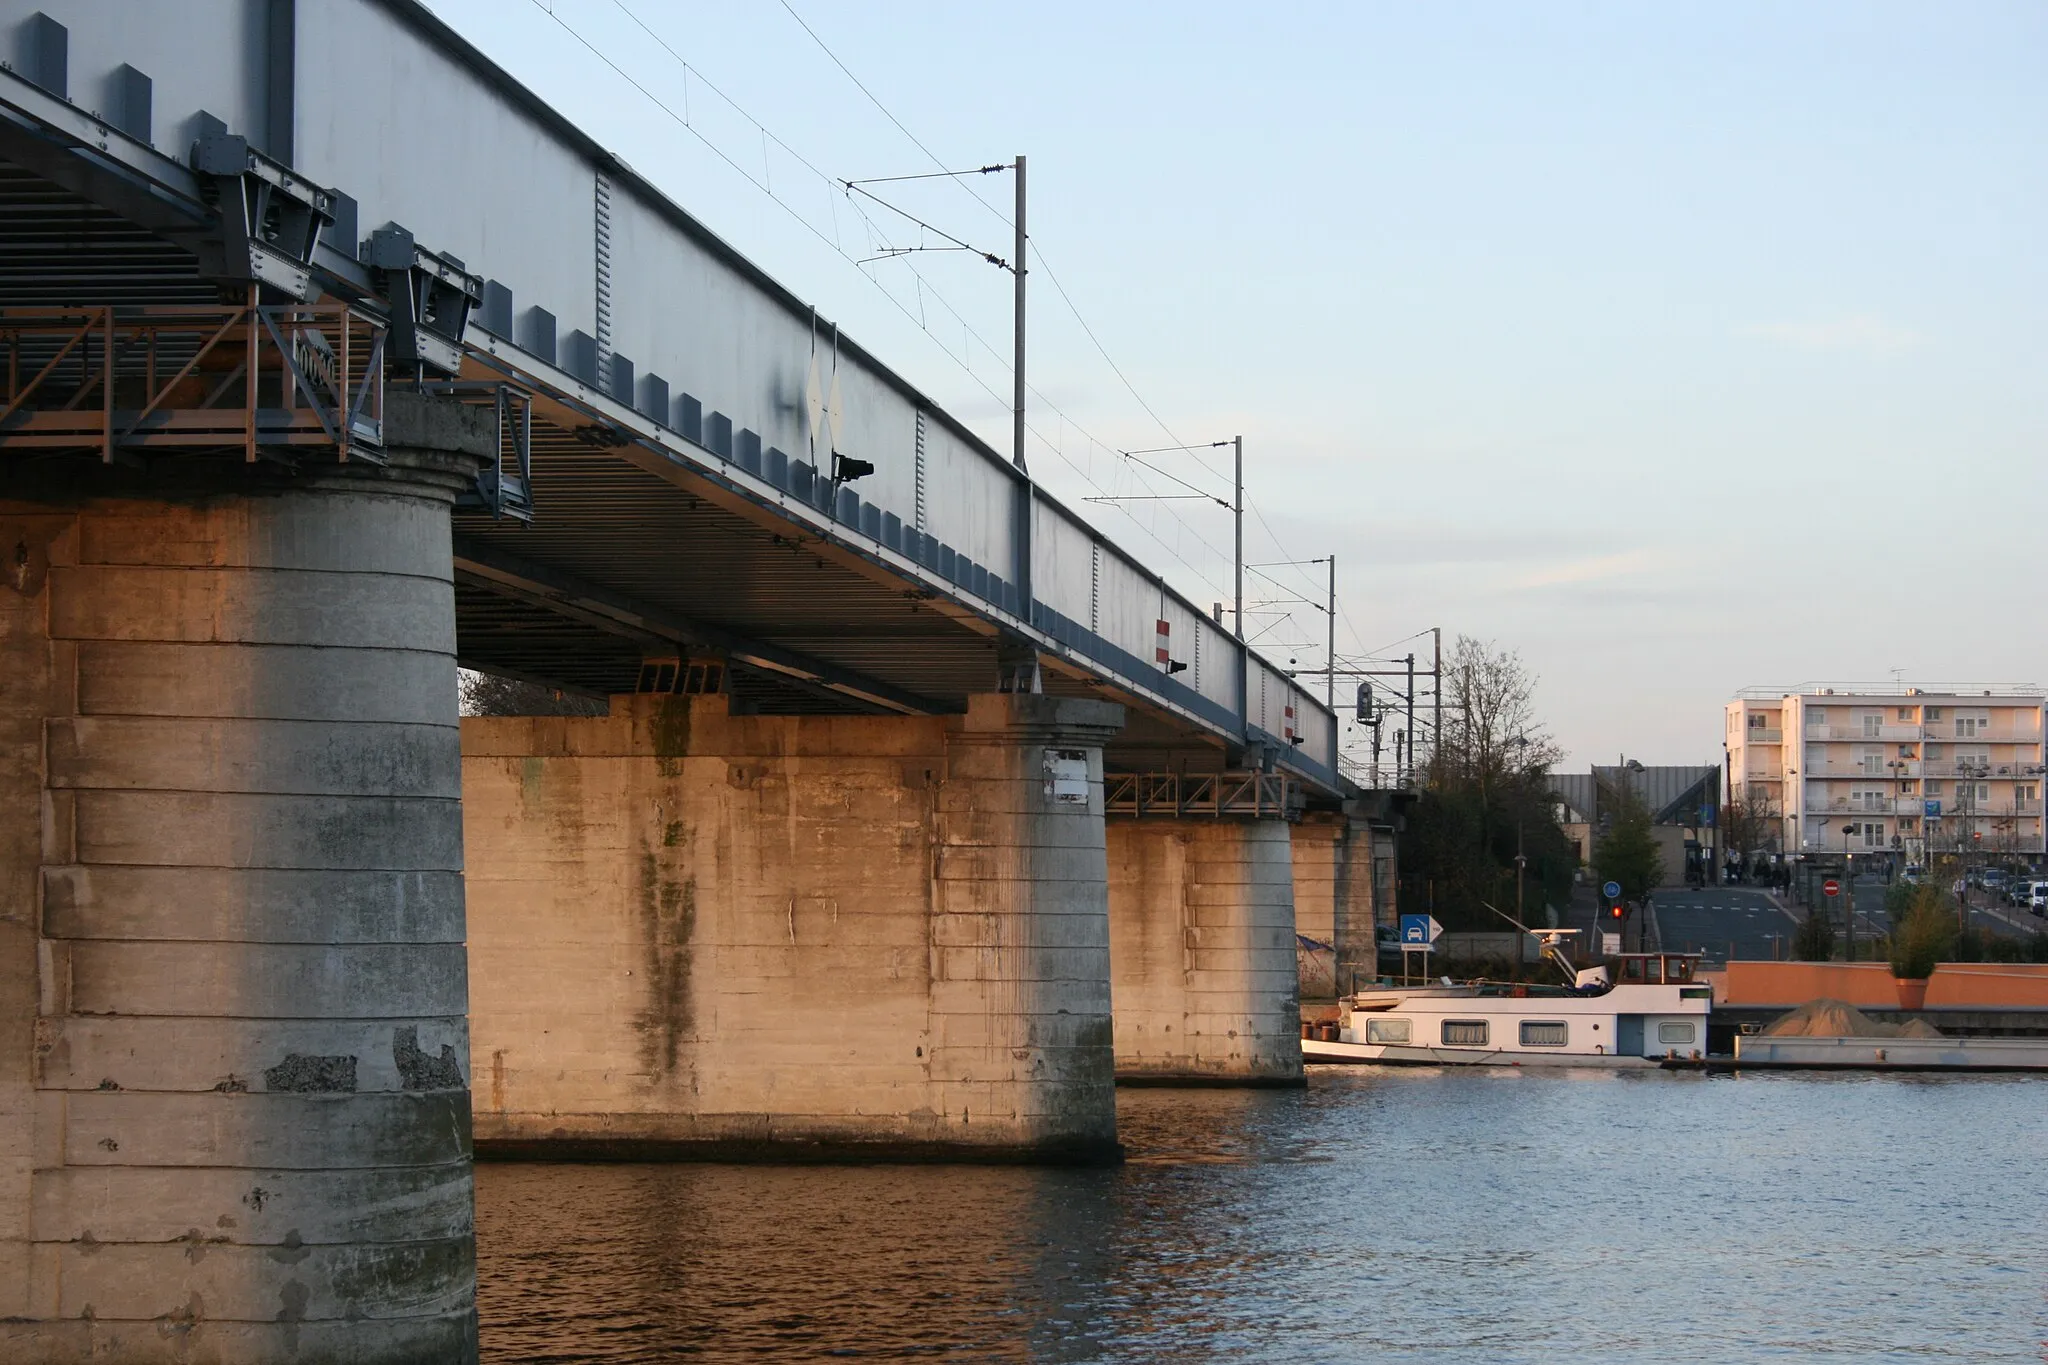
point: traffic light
(1617, 911)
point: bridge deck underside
(676, 569)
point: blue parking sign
(1419, 932)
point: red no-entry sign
(1831, 887)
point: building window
(1464, 1033)
(1388, 1030)
(1681, 1034)
(1908, 824)
(1933, 713)
(1816, 715)
(1544, 1033)
(2025, 791)
(1967, 726)
(1873, 725)
(1933, 787)
(1905, 715)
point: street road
(1718, 920)
(1744, 921)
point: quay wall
(1954, 985)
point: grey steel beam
(91, 157)
(583, 600)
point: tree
(1815, 939)
(1486, 799)
(1490, 732)
(492, 694)
(1923, 931)
(1750, 826)
(1626, 850)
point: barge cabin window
(1656, 969)
(1681, 1032)
(1544, 1033)
(1388, 1030)
(1464, 1033)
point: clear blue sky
(1679, 347)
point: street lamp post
(1848, 891)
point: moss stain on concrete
(670, 731)
(668, 923)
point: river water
(1396, 1215)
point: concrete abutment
(234, 1109)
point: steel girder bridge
(209, 257)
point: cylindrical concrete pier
(235, 1084)
(1202, 964)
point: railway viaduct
(331, 360)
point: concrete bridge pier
(1202, 951)
(1333, 903)
(703, 934)
(234, 1108)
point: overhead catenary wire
(1038, 253)
(1052, 276)
(925, 287)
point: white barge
(1636, 1010)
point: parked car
(1992, 878)
(2037, 898)
(1914, 873)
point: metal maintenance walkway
(239, 227)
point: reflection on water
(1396, 1215)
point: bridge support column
(1202, 951)
(1364, 891)
(1318, 855)
(700, 934)
(234, 1115)
(1333, 904)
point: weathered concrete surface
(1364, 896)
(1202, 951)
(695, 933)
(1318, 851)
(1360, 861)
(234, 1117)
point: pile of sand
(1840, 1019)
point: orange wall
(1954, 985)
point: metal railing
(1265, 796)
(255, 377)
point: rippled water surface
(1378, 1215)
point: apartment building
(1904, 770)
